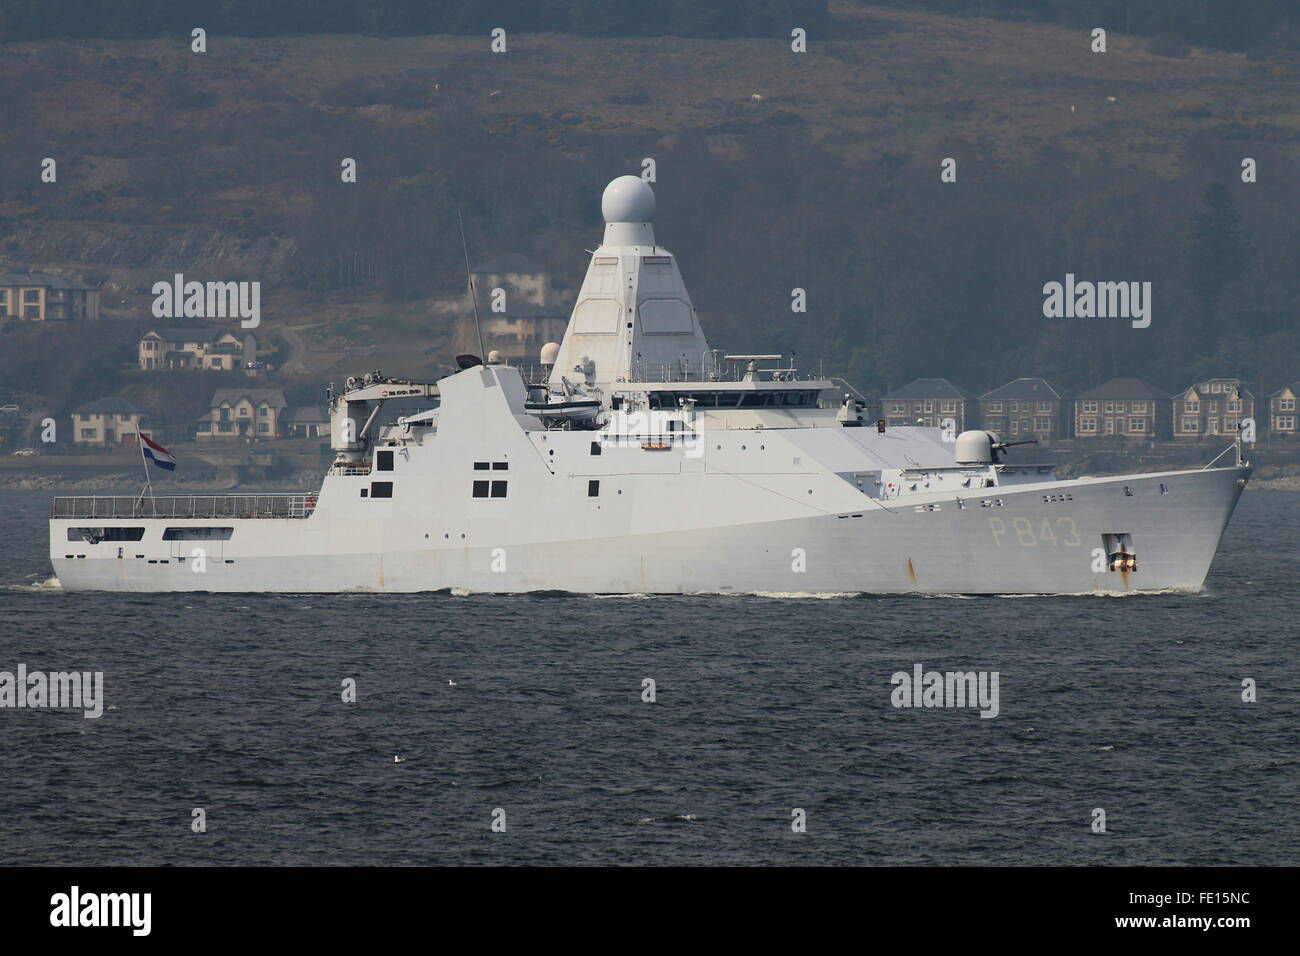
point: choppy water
(232, 704)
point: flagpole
(148, 484)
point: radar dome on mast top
(628, 199)
(628, 205)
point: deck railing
(185, 506)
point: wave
(46, 585)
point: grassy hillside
(226, 165)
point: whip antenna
(469, 277)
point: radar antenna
(469, 277)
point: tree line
(40, 19)
(1225, 24)
(1222, 24)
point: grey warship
(643, 461)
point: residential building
(519, 309)
(1211, 409)
(930, 402)
(305, 421)
(1023, 409)
(209, 349)
(1282, 414)
(244, 413)
(1122, 408)
(43, 297)
(106, 423)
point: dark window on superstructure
(595, 448)
(365, 492)
(95, 535)
(482, 465)
(381, 489)
(767, 398)
(383, 461)
(197, 534)
(500, 466)
(593, 489)
(481, 489)
(498, 489)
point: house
(244, 413)
(305, 421)
(208, 349)
(929, 401)
(105, 423)
(1282, 412)
(43, 297)
(1022, 409)
(1122, 408)
(519, 309)
(515, 273)
(1212, 409)
(520, 337)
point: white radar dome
(628, 199)
(550, 352)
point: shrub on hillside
(1168, 44)
(179, 93)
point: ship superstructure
(644, 461)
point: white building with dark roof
(244, 413)
(519, 309)
(106, 422)
(1282, 412)
(305, 421)
(210, 349)
(44, 297)
(1212, 409)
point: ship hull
(1044, 538)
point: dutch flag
(157, 454)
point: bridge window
(782, 398)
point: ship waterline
(643, 463)
(1019, 546)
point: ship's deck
(185, 506)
